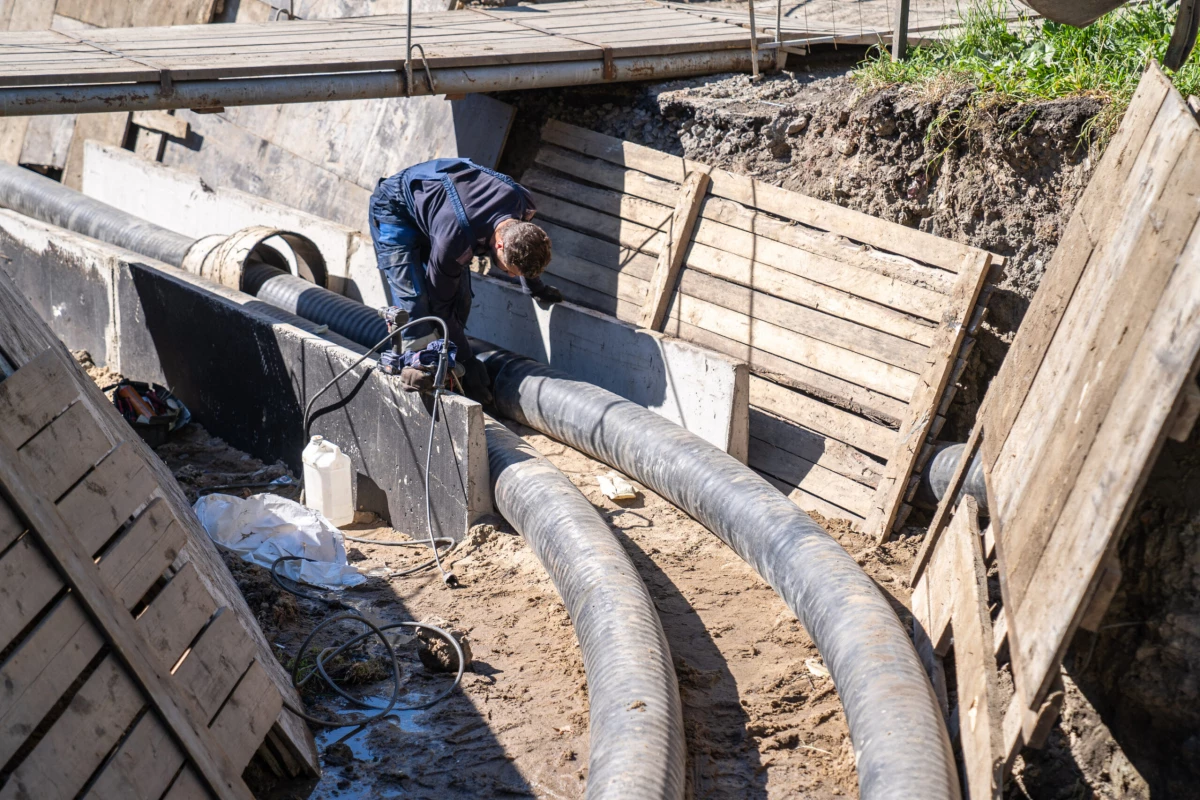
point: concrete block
(247, 377)
(704, 391)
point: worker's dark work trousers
(401, 251)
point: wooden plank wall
(90, 521)
(56, 143)
(853, 326)
(86, 505)
(1102, 370)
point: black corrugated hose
(936, 476)
(34, 195)
(636, 725)
(900, 742)
(350, 318)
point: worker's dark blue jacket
(427, 222)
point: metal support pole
(753, 44)
(408, 82)
(779, 22)
(900, 32)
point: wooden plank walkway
(529, 45)
(849, 22)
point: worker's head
(521, 248)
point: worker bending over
(427, 223)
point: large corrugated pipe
(901, 746)
(936, 476)
(636, 725)
(241, 260)
(350, 318)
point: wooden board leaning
(1102, 370)
(126, 664)
(853, 348)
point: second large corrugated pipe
(636, 724)
(901, 746)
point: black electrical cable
(439, 378)
(420, 543)
(378, 631)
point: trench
(900, 744)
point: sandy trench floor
(762, 718)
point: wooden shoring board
(83, 540)
(23, 480)
(1102, 370)
(950, 609)
(853, 225)
(23, 338)
(843, 339)
(922, 409)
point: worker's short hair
(526, 248)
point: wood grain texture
(1082, 403)
(65, 450)
(143, 765)
(1062, 274)
(1106, 487)
(25, 337)
(28, 582)
(670, 258)
(928, 395)
(858, 226)
(832, 422)
(100, 504)
(102, 604)
(33, 396)
(769, 365)
(809, 307)
(61, 763)
(41, 669)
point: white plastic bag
(266, 527)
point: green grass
(1032, 60)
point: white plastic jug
(328, 484)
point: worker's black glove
(547, 294)
(476, 382)
(416, 380)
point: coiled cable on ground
(327, 654)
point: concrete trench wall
(248, 377)
(704, 391)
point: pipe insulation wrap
(350, 318)
(34, 195)
(636, 723)
(901, 746)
